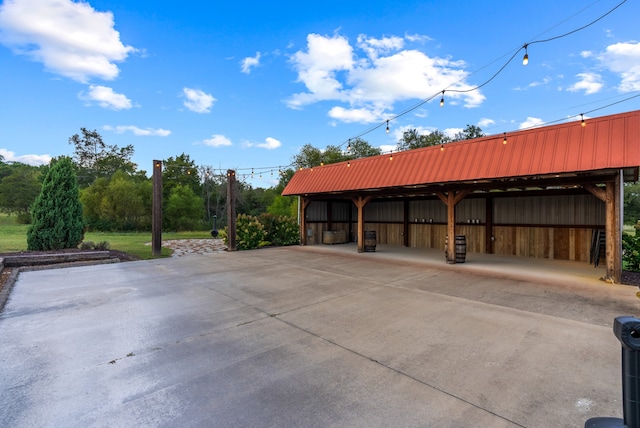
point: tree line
(117, 196)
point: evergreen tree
(57, 211)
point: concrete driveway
(305, 338)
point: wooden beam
(613, 231)
(302, 208)
(451, 199)
(360, 202)
(405, 225)
(156, 210)
(231, 209)
(488, 232)
(596, 191)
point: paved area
(309, 336)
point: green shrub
(250, 233)
(281, 230)
(631, 251)
(87, 245)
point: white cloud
(250, 62)
(140, 132)
(544, 81)
(590, 83)
(586, 54)
(484, 122)
(197, 100)
(417, 38)
(398, 133)
(217, 140)
(269, 144)
(375, 47)
(359, 115)
(531, 122)
(383, 73)
(34, 160)
(70, 38)
(452, 132)
(105, 97)
(385, 148)
(624, 59)
(317, 69)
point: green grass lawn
(13, 237)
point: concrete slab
(301, 336)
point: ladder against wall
(598, 239)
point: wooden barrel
(461, 248)
(369, 241)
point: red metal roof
(607, 142)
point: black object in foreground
(627, 330)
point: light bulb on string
(349, 145)
(252, 173)
(442, 100)
(442, 147)
(525, 59)
(582, 122)
(348, 164)
(387, 126)
(391, 155)
(504, 140)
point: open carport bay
(300, 337)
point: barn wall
(554, 227)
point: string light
(391, 155)
(422, 102)
(504, 141)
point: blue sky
(245, 84)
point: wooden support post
(304, 203)
(156, 210)
(488, 228)
(451, 199)
(614, 230)
(611, 195)
(405, 227)
(360, 202)
(231, 209)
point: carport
(551, 192)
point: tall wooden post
(302, 209)
(405, 223)
(156, 210)
(451, 199)
(611, 196)
(613, 232)
(231, 209)
(360, 202)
